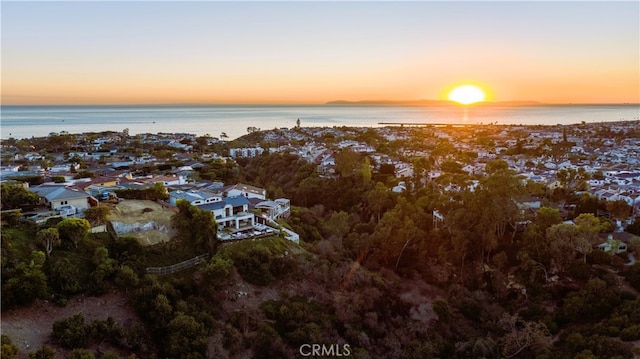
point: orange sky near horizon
(63, 53)
(274, 88)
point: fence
(179, 266)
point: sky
(313, 52)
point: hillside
(30, 327)
(475, 262)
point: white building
(248, 152)
(195, 198)
(280, 208)
(231, 212)
(58, 197)
(247, 191)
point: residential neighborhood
(320, 179)
(91, 167)
(515, 230)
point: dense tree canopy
(15, 195)
(27, 281)
(97, 214)
(619, 209)
(196, 227)
(73, 229)
(49, 237)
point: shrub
(84, 174)
(107, 330)
(15, 195)
(97, 214)
(26, 282)
(32, 180)
(254, 264)
(66, 277)
(232, 339)
(631, 333)
(45, 352)
(441, 308)
(598, 257)
(217, 271)
(12, 218)
(632, 275)
(110, 355)
(126, 278)
(155, 192)
(74, 229)
(81, 354)
(259, 262)
(298, 320)
(8, 350)
(71, 332)
(268, 344)
(579, 271)
(126, 249)
(187, 338)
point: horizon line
(514, 103)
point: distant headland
(446, 103)
(433, 103)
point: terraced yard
(148, 221)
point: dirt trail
(29, 328)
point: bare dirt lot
(29, 328)
(141, 212)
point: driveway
(632, 259)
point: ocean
(37, 121)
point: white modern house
(196, 198)
(247, 191)
(231, 212)
(279, 208)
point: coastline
(19, 121)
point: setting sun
(467, 94)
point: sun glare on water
(467, 94)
